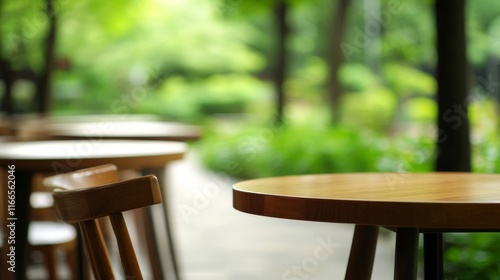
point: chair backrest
(85, 195)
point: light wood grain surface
(421, 200)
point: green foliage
(406, 80)
(482, 30)
(154, 47)
(299, 149)
(421, 110)
(372, 109)
(409, 35)
(306, 84)
(356, 77)
(22, 27)
(472, 256)
(407, 154)
(195, 99)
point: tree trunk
(453, 145)
(7, 76)
(44, 84)
(282, 30)
(335, 59)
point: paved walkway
(218, 242)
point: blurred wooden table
(145, 130)
(138, 127)
(407, 203)
(28, 158)
(99, 127)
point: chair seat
(50, 233)
(41, 200)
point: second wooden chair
(83, 196)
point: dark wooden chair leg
(405, 267)
(362, 255)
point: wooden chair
(85, 195)
(47, 237)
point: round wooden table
(28, 158)
(407, 203)
(98, 127)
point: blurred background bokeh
(280, 87)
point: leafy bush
(298, 149)
(372, 109)
(194, 100)
(406, 80)
(472, 256)
(356, 77)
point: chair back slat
(97, 253)
(127, 253)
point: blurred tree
(282, 32)
(13, 50)
(335, 57)
(453, 144)
(44, 81)
(453, 85)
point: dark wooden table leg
(405, 267)
(362, 255)
(433, 256)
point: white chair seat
(50, 233)
(41, 200)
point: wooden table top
(423, 200)
(110, 129)
(75, 154)
(145, 130)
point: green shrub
(299, 149)
(472, 256)
(356, 77)
(181, 98)
(407, 80)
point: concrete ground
(216, 242)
